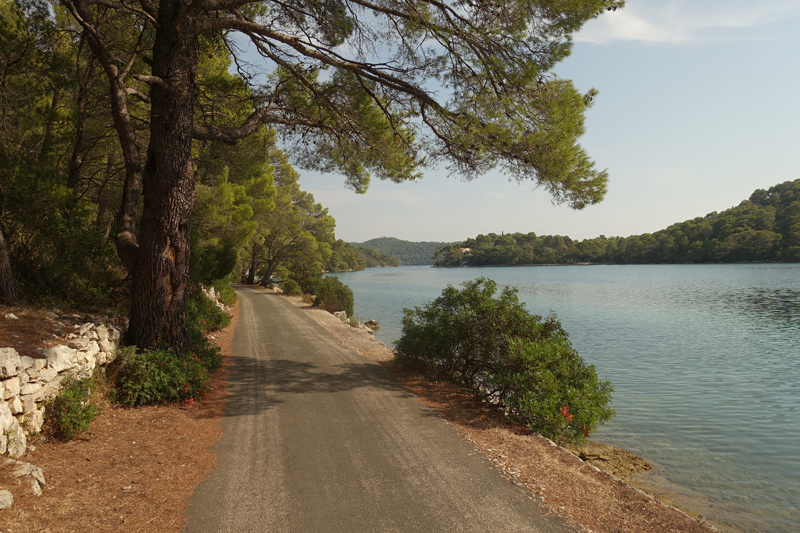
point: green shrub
(156, 376)
(552, 390)
(333, 295)
(71, 412)
(160, 375)
(204, 313)
(292, 288)
(509, 358)
(227, 294)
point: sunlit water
(704, 359)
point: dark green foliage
(374, 258)
(212, 262)
(548, 387)
(292, 288)
(509, 358)
(764, 228)
(55, 223)
(333, 295)
(344, 258)
(162, 375)
(205, 314)
(71, 412)
(157, 376)
(227, 294)
(408, 253)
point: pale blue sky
(699, 105)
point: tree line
(406, 252)
(766, 227)
(142, 152)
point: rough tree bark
(160, 280)
(8, 285)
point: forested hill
(346, 257)
(765, 227)
(409, 253)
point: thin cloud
(677, 22)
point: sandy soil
(133, 471)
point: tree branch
(367, 70)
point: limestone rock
(372, 324)
(11, 388)
(30, 388)
(28, 404)
(106, 345)
(28, 471)
(341, 315)
(47, 375)
(59, 357)
(16, 439)
(6, 500)
(34, 421)
(80, 343)
(15, 405)
(6, 418)
(10, 363)
(30, 362)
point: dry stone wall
(26, 383)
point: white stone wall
(27, 382)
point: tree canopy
(357, 87)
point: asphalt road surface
(321, 439)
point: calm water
(704, 359)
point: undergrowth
(161, 375)
(71, 412)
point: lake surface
(704, 360)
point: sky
(698, 106)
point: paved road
(320, 439)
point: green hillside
(766, 228)
(409, 253)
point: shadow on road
(255, 385)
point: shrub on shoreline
(507, 357)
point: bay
(704, 359)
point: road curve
(318, 438)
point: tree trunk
(79, 148)
(251, 275)
(8, 285)
(47, 141)
(160, 280)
